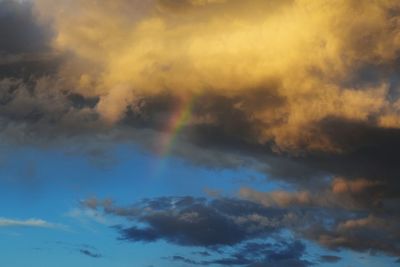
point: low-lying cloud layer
(214, 225)
(257, 254)
(224, 222)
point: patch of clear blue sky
(48, 183)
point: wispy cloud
(90, 253)
(85, 215)
(32, 222)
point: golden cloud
(308, 53)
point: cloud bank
(284, 66)
(237, 222)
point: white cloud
(38, 223)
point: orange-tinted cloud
(307, 53)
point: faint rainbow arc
(176, 122)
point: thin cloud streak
(34, 223)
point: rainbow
(176, 122)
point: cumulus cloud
(229, 229)
(362, 234)
(224, 222)
(294, 88)
(344, 221)
(195, 222)
(279, 81)
(305, 58)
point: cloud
(257, 254)
(330, 258)
(278, 198)
(90, 253)
(25, 45)
(84, 249)
(286, 91)
(185, 260)
(223, 222)
(196, 222)
(280, 87)
(362, 234)
(285, 70)
(36, 223)
(20, 30)
(346, 214)
(215, 225)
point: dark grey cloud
(257, 254)
(202, 253)
(25, 50)
(365, 234)
(19, 29)
(38, 111)
(84, 249)
(182, 259)
(212, 224)
(368, 151)
(339, 216)
(36, 106)
(280, 254)
(223, 222)
(197, 222)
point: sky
(182, 133)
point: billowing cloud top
(285, 65)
